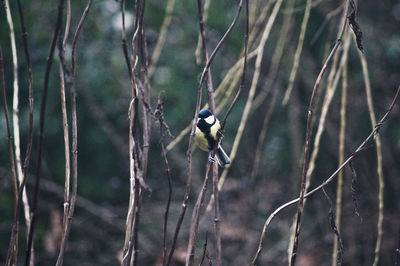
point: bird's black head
(206, 120)
(203, 114)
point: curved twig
(307, 141)
(362, 146)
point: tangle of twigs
(360, 148)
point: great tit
(207, 130)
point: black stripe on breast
(210, 141)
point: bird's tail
(222, 157)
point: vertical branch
(379, 167)
(159, 114)
(334, 228)
(67, 226)
(188, 176)
(124, 44)
(30, 81)
(41, 128)
(131, 239)
(194, 225)
(126, 251)
(9, 135)
(13, 246)
(162, 37)
(276, 59)
(263, 132)
(215, 169)
(217, 220)
(200, 44)
(230, 80)
(145, 89)
(61, 54)
(16, 113)
(307, 142)
(249, 102)
(199, 203)
(297, 54)
(277, 56)
(168, 172)
(193, 129)
(210, 90)
(133, 248)
(339, 188)
(333, 79)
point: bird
(207, 132)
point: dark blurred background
(103, 97)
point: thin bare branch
(328, 17)
(67, 227)
(297, 54)
(360, 148)
(124, 44)
(159, 114)
(9, 135)
(233, 73)
(335, 230)
(13, 246)
(15, 119)
(204, 251)
(194, 224)
(277, 56)
(130, 255)
(379, 167)
(249, 102)
(192, 133)
(339, 186)
(243, 77)
(41, 127)
(161, 37)
(62, 66)
(307, 142)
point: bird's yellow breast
(201, 139)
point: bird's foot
(220, 134)
(211, 159)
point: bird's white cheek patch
(210, 120)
